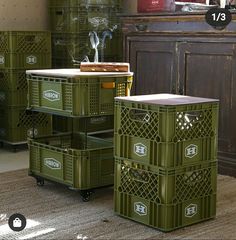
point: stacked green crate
(166, 168)
(21, 50)
(71, 23)
(75, 159)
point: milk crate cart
(77, 159)
(166, 159)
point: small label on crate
(52, 163)
(140, 149)
(2, 59)
(31, 59)
(191, 151)
(191, 210)
(98, 120)
(140, 208)
(51, 95)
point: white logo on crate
(32, 132)
(51, 95)
(31, 59)
(140, 149)
(191, 210)
(140, 208)
(52, 163)
(2, 59)
(191, 151)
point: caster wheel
(40, 182)
(86, 199)
(85, 194)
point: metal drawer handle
(141, 27)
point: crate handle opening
(191, 117)
(30, 38)
(139, 115)
(139, 175)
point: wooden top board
(104, 67)
(166, 99)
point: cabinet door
(209, 70)
(153, 63)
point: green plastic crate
(25, 42)
(166, 154)
(13, 98)
(13, 80)
(25, 60)
(165, 217)
(171, 119)
(16, 124)
(80, 19)
(72, 160)
(165, 186)
(25, 49)
(13, 88)
(78, 95)
(92, 124)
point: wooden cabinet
(184, 55)
(154, 66)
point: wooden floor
(54, 212)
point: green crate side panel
(163, 123)
(25, 42)
(83, 96)
(13, 98)
(16, 124)
(12, 80)
(163, 186)
(165, 217)
(25, 60)
(53, 158)
(166, 154)
(93, 124)
(55, 166)
(96, 169)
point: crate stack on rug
(166, 159)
